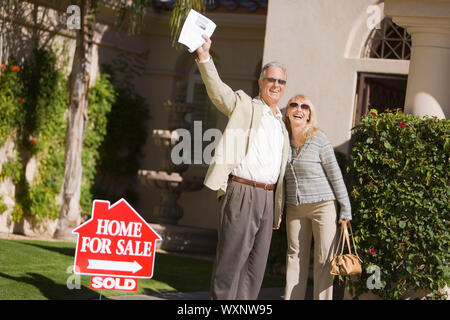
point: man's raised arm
(222, 96)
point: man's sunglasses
(295, 105)
(281, 82)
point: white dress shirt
(263, 161)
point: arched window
(382, 91)
(203, 109)
(390, 41)
(203, 115)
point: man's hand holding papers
(194, 27)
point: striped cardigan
(314, 176)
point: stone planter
(29, 226)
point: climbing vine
(101, 99)
(38, 96)
(33, 104)
(120, 152)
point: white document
(193, 28)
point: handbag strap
(347, 239)
(344, 238)
(341, 242)
(353, 240)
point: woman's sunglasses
(295, 105)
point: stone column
(428, 23)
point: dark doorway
(380, 92)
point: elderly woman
(314, 185)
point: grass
(37, 270)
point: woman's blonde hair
(311, 126)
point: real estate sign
(116, 246)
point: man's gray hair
(272, 64)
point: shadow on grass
(182, 273)
(62, 250)
(190, 275)
(52, 290)
(179, 295)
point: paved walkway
(265, 294)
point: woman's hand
(343, 221)
(278, 226)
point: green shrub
(121, 150)
(11, 96)
(33, 104)
(43, 133)
(400, 202)
(33, 100)
(102, 96)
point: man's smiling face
(272, 91)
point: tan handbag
(346, 264)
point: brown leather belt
(253, 183)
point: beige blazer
(244, 114)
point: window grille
(390, 41)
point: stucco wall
(320, 42)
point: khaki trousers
(302, 222)
(245, 233)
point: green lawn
(31, 269)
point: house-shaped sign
(115, 241)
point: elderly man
(247, 171)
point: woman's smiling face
(298, 113)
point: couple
(279, 163)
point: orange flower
(32, 139)
(3, 67)
(15, 68)
(21, 100)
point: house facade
(349, 57)
(346, 56)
